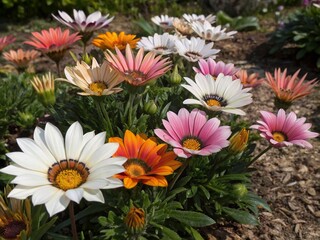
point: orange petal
(163, 170)
(129, 182)
(158, 181)
(131, 144)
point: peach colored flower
(251, 80)
(21, 58)
(5, 41)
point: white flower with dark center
(201, 18)
(164, 21)
(222, 94)
(82, 23)
(55, 171)
(206, 31)
(195, 49)
(161, 44)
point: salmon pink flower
(148, 162)
(191, 133)
(21, 58)
(138, 70)
(5, 41)
(213, 68)
(289, 88)
(251, 80)
(283, 130)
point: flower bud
(175, 76)
(45, 89)
(87, 58)
(150, 107)
(26, 119)
(239, 190)
(238, 142)
(135, 220)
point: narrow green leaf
(241, 216)
(190, 218)
(168, 234)
(36, 235)
(194, 233)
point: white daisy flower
(199, 18)
(82, 23)
(56, 171)
(195, 49)
(222, 94)
(162, 44)
(208, 32)
(164, 21)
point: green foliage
(238, 23)
(301, 30)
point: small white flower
(206, 31)
(161, 44)
(164, 21)
(196, 18)
(82, 23)
(195, 49)
(222, 94)
(56, 171)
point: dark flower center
(12, 229)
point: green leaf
(241, 216)
(36, 235)
(190, 218)
(174, 192)
(257, 201)
(168, 234)
(194, 233)
(205, 191)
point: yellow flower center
(68, 174)
(136, 167)
(213, 102)
(191, 143)
(279, 136)
(68, 179)
(97, 87)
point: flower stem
(73, 222)
(129, 109)
(177, 176)
(103, 114)
(260, 154)
(58, 68)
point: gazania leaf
(241, 216)
(167, 232)
(190, 218)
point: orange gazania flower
(110, 40)
(148, 162)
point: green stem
(130, 108)
(103, 114)
(260, 154)
(73, 222)
(177, 176)
(58, 68)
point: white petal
(58, 203)
(93, 195)
(104, 170)
(74, 137)
(104, 152)
(32, 180)
(38, 136)
(22, 192)
(92, 145)
(16, 170)
(43, 194)
(75, 194)
(113, 183)
(95, 183)
(55, 142)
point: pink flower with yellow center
(283, 130)
(289, 88)
(191, 133)
(138, 70)
(5, 41)
(213, 68)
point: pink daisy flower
(138, 70)
(283, 130)
(213, 68)
(5, 41)
(191, 133)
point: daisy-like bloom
(135, 220)
(182, 27)
(148, 162)
(213, 68)
(110, 40)
(239, 141)
(138, 70)
(207, 32)
(289, 88)
(164, 21)
(15, 216)
(44, 87)
(5, 41)
(54, 43)
(191, 18)
(162, 44)
(195, 49)
(86, 25)
(56, 171)
(222, 94)
(251, 80)
(191, 133)
(283, 130)
(21, 58)
(94, 80)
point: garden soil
(289, 178)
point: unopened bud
(150, 107)
(238, 142)
(44, 87)
(239, 190)
(87, 58)
(135, 220)
(175, 76)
